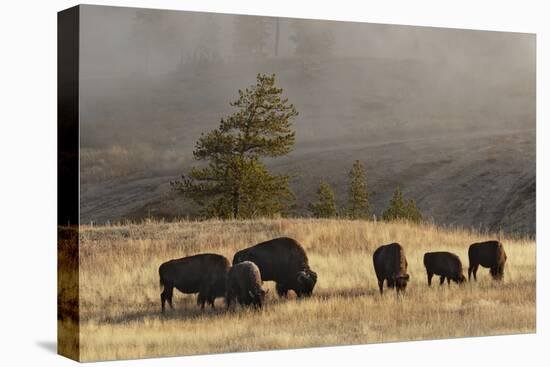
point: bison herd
(284, 261)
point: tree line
(233, 181)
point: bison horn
(301, 276)
(251, 294)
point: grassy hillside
(120, 302)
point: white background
(28, 181)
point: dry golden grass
(120, 303)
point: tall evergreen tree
(358, 197)
(325, 206)
(235, 183)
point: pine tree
(413, 214)
(358, 196)
(398, 209)
(325, 206)
(235, 183)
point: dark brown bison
(284, 261)
(444, 264)
(204, 273)
(489, 254)
(390, 264)
(244, 283)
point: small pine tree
(358, 196)
(413, 214)
(399, 210)
(325, 206)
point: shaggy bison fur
(203, 273)
(284, 261)
(489, 254)
(444, 264)
(390, 264)
(244, 283)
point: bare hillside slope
(485, 181)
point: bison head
(257, 297)
(306, 282)
(497, 272)
(461, 279)
(400, 281)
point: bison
(284, 261)
(489, 254)
(244, 282)
(203, 273)
(444, 264)
(390, 264)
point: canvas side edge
(68, 315)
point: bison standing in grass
(284, 261)
(390, 264)
(204, 273)
(444, 264)
(244, 283)
(489, 254)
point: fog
(152, 81)
(159, 77)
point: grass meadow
(120, 296)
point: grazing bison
(390, 264)
(284, 261)
(489, 254)
(444, 264)
(244, 282)
(204, 273)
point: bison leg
(229, 300)
(448, 281)
(244, 298)
(205, 294)
(201, 300)
(229, 297)
(441, 280)
(210, 300)
(166, 295)
(381, 286)
(473, 270)
(282, 291)
(430, 276)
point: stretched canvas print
(233, 183)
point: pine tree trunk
(235, 204)
(276, 37)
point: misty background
(447, 114)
